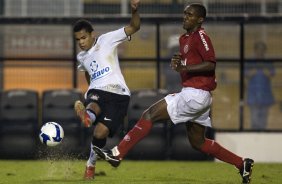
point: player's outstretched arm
(134, 24)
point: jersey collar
(93, 46)
(199, 29)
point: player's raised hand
(175, 61)
(135, 4)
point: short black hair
(82, 24)
(201, 10)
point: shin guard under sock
(213, 148)
(139, 131)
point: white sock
(91, 115)
(92, 158)
(115, 151)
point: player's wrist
(184, 68)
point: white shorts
(190, 105)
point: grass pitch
(133, 172)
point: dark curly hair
(82, 24)
(200, 9)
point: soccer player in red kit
(196, 64)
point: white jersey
(102, 63)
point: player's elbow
(135, 28)
(210, 66)
(132, 29)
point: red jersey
(195, 48)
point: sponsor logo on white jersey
(204, 40)
(101, 73)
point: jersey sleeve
(205, 47)
(116, 37)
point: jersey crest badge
(93, 66)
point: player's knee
(99, 142)
(151, 114)
(94, 107)
(195, 143)
(101, 131)
(100, 135)
(196, 146)
(146, 114)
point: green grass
(133, 172)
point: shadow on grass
(58, 181)
(65, 180)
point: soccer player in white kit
(108, 96)
(196, 64)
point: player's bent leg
(244, 166)
(196, 135)
(114, 156)
(211, 147)
(136, 134)
(89, 173)
(155, 113)
(99, 141)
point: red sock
(139, 131)
(213, 148)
